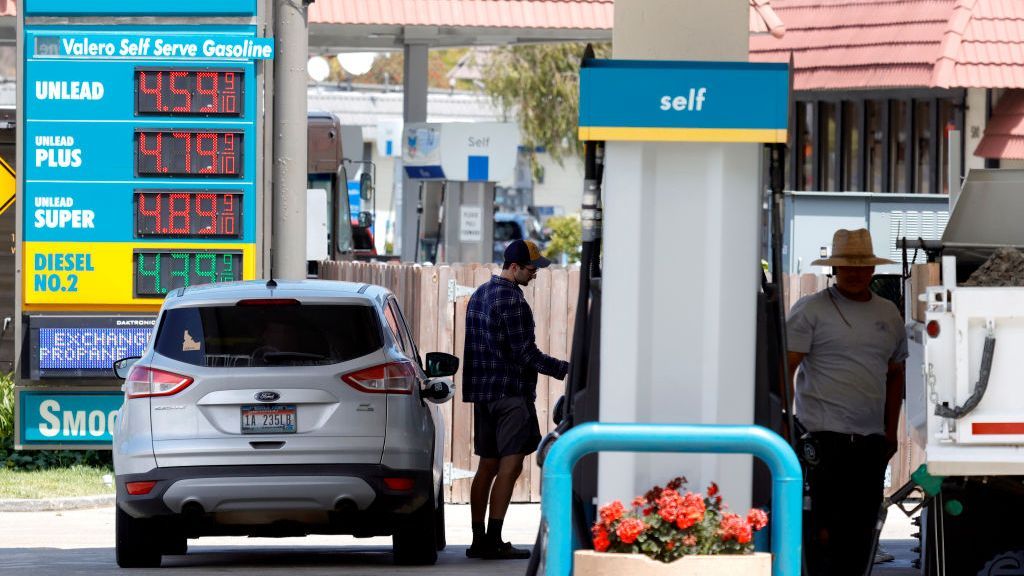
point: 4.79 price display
(188, 214)
(215, 153)
(160, 271)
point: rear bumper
(316, 498)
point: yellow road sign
(6, 186)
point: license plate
(269, 419)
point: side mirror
(365, 219)
(123, 366)
(366, 186)
(438, 390)
(441, 364)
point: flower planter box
(590, 563)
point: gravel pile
(1004, 268)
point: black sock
(494, 530)
(479, 534)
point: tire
(439, 535)
(137, 541)
(415, 541)
(174, 544)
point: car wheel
(174, 544)
(439, 536)
(415, 542)
(137, 541)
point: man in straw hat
(850, 346)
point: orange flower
(735, 527)
(601, 542)
(612, 512)
(630, 529)
(757, 518)
(689, 540)
(670, 505)
(691, 510)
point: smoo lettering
(693, 101)
(73, 90)
(74, 423)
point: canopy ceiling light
(357, 63)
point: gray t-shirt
(841, 383)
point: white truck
(965, 390)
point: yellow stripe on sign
(7, 186)
(73, 275)
(616, 133)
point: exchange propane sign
(140, 127)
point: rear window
(239, 336)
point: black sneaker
(476, 551)
(505, 551)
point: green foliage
(12, 459)
(388, 68)
(566, 238)
(539, 86)
(55, 482)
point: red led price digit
(230, 107)
(154, 213)
(211, 213)
(157, 91)
(210, 91)
(187, 136)
(228, 221)
(156, 152)
(178, 211)
(181, 92)
(229, 142)
(210, 153)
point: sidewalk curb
(49, 504)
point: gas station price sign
(157, 272)
(188, 214)
(204, 153)
(178, 92)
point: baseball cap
(524, 252)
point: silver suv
(280, 409)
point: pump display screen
(188, 153)
(159, 271)
(188, 214)
(176, 92)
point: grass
(54, 483)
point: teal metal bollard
(787, 480)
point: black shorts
(505, 427)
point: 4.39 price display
(180, 152)
(160, 271)
(188, 214)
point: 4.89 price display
(159, 271)
(188, 214)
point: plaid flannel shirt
(501, 357)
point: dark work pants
(846, 493)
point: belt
(846, 438)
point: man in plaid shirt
(500, 364)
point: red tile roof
(1004, 134)
(559, 14)
(983, 46)
(851, 44)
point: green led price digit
(154, 273)
(181, 271)
(227, 269)
(210, 273)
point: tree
(538, 85)
(566, 238)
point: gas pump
(456, 167)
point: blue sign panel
(138, 7)
(85, 346)
(683, 101)
(50, 417)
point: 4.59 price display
(178, 92)
(160, 271)
(188, 214)
(215, 153)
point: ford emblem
(267, 396)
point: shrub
(566, 238)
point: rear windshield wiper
(280, 357)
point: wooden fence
(438, 322)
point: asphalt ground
(58, 542)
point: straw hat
(852, 248)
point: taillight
(399, 484)
(932, 328)
(143, 382)
(394, 378)
(140, 488)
